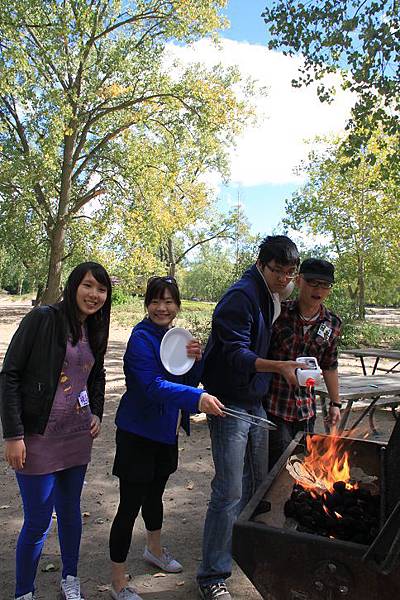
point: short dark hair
(156, 287)
(98, 324)
(279, 248)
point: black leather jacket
(31, 371)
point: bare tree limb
(208, 239)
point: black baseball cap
(317, 268)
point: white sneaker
(166, 562)
(127, 593)
(29, 596)
(71, 588)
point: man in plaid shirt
(305, 327)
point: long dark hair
(98, 324)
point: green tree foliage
(219, 264)
(359, 38)
(210, 274)
(213, 225)
(358, 211)
(12, 273)
(93, 123)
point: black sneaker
(214, 591)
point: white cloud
(288, 117)
(309, 240)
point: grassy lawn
(196, 316)
(370, 335)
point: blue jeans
(41, 494)
(240, 454)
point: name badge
(324, 331)
(83, 399)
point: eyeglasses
(283, 274)
(317, 283)
(166, 278)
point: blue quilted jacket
(150, 406)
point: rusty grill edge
(285, 564)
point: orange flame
(326, 463)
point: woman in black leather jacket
(51, 400)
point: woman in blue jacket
(150, 413)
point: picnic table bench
(383, 390)
(376, 353)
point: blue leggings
(41, 494)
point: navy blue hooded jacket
(241, 333)
(150, 406)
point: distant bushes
(196, 316)
(121, 296)
(364, 334)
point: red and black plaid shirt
(289, 342)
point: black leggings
(132, 497)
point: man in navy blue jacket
(237, 371)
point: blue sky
(246, 22)
(264, 205)
(262, 167)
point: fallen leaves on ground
(49, 568)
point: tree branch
(26, 149)
(212, 237)
(90, 195)
(140, 17)
(49, 62)
(98, 147)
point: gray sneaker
(127, 593)
(71, 588)
(167, 562)
(214, 591)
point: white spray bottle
(310, 376)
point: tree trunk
(53, 287)
(361, 288)
(171, 258)
(362, 247)
(39, 294)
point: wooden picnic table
(353, 388)
(376, 353)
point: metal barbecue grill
(286, 564)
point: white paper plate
(173, 351)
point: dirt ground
(185, 502)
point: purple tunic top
(66, 441)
